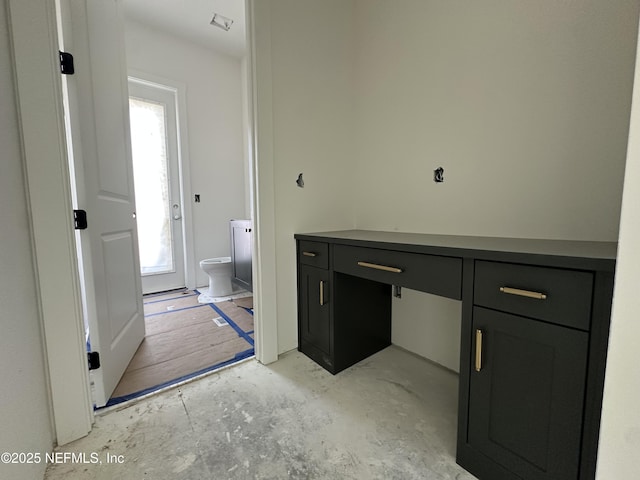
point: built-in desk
(535, 323)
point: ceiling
(190, 19)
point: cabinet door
(241, 253)
(526, 402)
(314, 307)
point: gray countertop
(562, 253)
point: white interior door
(97, 117)
(156, 170)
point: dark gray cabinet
(314, 311)
(526, 400)
(241, 256)
(532, 365)
(314, 305)
(534, 335)
(342, 319)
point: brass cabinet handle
(523, 293)
(321, 292)
(375, 266)
(478, 350)
(309, 254)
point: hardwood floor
(183, 339)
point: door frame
(262, 168)
(184, 171)
(39, 98)
(39, 95)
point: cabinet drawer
(565, 294)
(427, 273)
(315, 254)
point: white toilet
(219, 272)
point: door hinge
(94, 360)
(79, 219)
(66, 63)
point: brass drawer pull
(321, 292)
(478, 350)
(375, 266)
(309, 254)
(523, 293)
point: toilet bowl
(219, 272)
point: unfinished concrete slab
(392, 416)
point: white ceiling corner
(189, 19)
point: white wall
(24, 400)
(620, 428)
(214, 90)
(429, 326)
(524, 104)
(312, 121)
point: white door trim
(39, 97)
(262, 169)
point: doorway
(188, 133)
(102, 126)
(34, 26)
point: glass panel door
(153, 197)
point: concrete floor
(392, 416)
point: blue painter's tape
(125, 398)
(233, 324)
